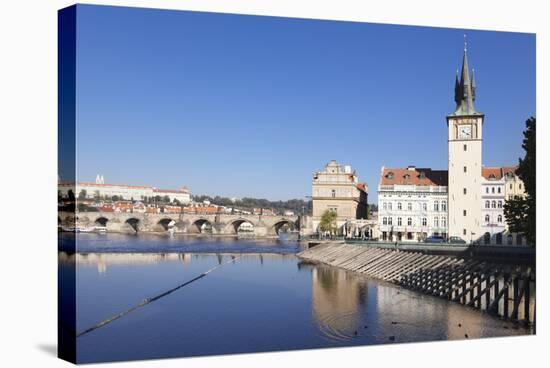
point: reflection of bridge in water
(217, 224)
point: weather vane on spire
(465, 43)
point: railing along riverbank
(506, 289)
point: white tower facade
(465, 141)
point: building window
(464, 212)
(465, 147)
(464, 190)
(443, 222)
(519, 239)
(436, 206)
(424, 206)
(487, 190)
(510, 239)
(443, 206)
(399, 221)
(510, 185)
(487, 238)
(385, 205)
(399, 206)
(492, 189)
(498, 190)
(519, 186)
(499, 204)
(436, 222)
(389, 206)
(499, 218)
(487, 204)
(465, 169)
(333, 193)
(409, 221)
(390, 221)
(487, 219)
(494, 204)
(424, 221)
(499, 238)
(409, 206)
(463, 231)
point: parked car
(456, 240)
(435, 239)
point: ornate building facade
(337, 188)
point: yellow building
(337, 189)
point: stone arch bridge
(217, 224)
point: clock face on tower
(465, 132)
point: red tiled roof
(361, 186)
(414, 176)
(496, 173)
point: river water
(260, 298)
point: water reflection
(261, 302)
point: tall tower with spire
(465, 147)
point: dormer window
(492, 177)
(389, 175)
(407, 176)
(422, 175)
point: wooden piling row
(499, 289)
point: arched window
(499, 204)
(389, 206)
(436, 206)
(499, 189)
(333, 193)
(390, 221)
(487, 190)
(519, 239)
(443, 222)
(492, 189)
(499, 218)
(487, 219)
(487, 238)
(494, 204)
(399, 206)
(385, 205)
(384, 220)
(436, 222)
(424, 206)
(487, 204)
(424, 221)
(443, 206)
(409, 221)
(499, 238)
(399, 221)
(510, 239)
(409, 206)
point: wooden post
(488, 292)
(526, 298)
(506, 302)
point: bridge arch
(244, 224)
(201, 226)
(101, 221)
(132, 224)
(282, 224)
(165, 223)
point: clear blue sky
(251, 106)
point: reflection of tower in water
(337, 297)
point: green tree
(70, 195)
(328, 221)
(82, 194)
(520, 213)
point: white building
(467, 201)
(412, 204)
(100, 190)
(498, 184)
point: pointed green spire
(465, 89)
